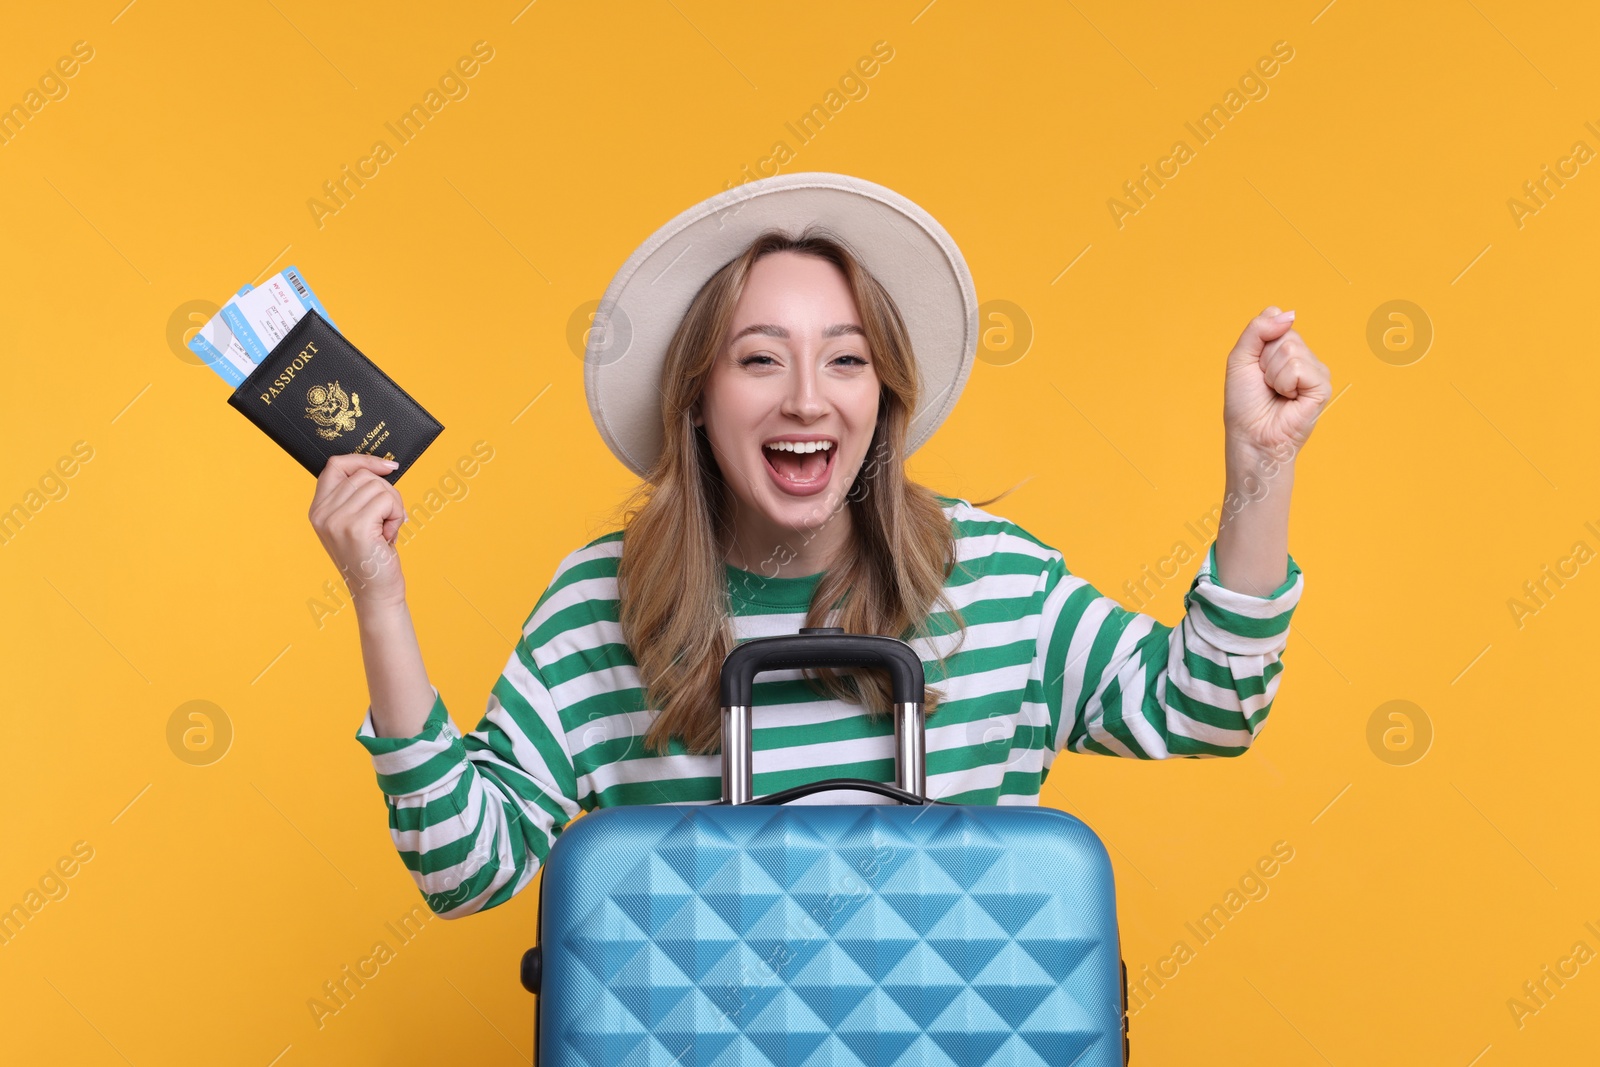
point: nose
(802, 400)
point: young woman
(771, 421)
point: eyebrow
(839, 329)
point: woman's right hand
(357, 516)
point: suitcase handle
(813, 647)
(821, 646)
(893, 792)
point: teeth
(801, 446)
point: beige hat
(901, 244)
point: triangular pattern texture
(829, 936)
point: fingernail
(391, 463)
(1285, 315)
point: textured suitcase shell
(822, 935)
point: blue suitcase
(750, 934)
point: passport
(317, 396)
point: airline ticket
(261, 317)
(221, 350)
(238, 337)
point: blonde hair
(889, 579)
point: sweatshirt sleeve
(474, 817)
(1120, 683)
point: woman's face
(791, 402)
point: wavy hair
(889, 579)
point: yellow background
(180, 565)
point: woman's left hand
(1275, 390)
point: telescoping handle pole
(814, 648)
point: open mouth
(800, 468)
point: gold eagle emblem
(332, 409)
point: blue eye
(858, 360)
(745, 361)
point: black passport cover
(317, 395)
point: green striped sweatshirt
(1045, 663)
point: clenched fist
(1276, 387)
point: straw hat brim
(910, 254)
